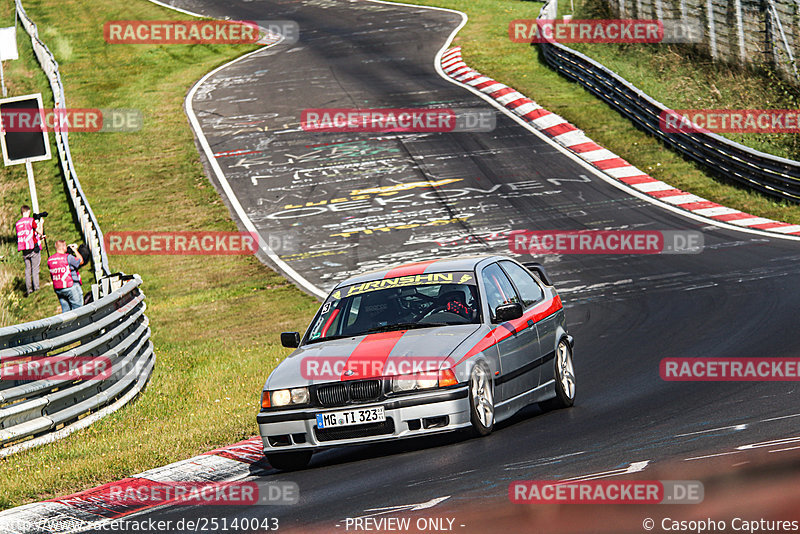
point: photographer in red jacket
(66, 279)
(28, 238)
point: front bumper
(406, 416)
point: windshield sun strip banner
(405, 281)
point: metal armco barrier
(772, 175)
(38, 410)
(113, 327)
(92, 235)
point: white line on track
(539, 462)
(786, 449)
(779, 418)
(403, 507)
(184, 11)
(635, 467)
(732, 427)
(770, 443)
(711, 455)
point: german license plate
(360, 416)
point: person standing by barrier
(76, 261)
(28, 238)
(62, 266)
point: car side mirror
(290, 340)
(507, 312)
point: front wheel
(289, 461)
(481, 400)
(565, 379)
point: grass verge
(215, 320)
(666, 73)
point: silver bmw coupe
(427, 347)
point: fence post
(780, 39)
(740, 31)
(712, 32)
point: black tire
(562, 368)
(481, 400)
(290, 461)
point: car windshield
(399, 303)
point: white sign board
(8, 44)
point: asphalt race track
(738, 298)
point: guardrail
(114, 328)
(772, 175)
(92, 235)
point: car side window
(498, 287)
(529, 291)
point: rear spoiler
(538, 269)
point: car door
(518, 341)
(531, 293)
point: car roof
(458, 263)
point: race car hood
(370, 356)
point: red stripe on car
(369, 357)
(409, 270)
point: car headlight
(424, 380)
(404, 384)
(282, 397)
(300, 396)
(285, 397)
